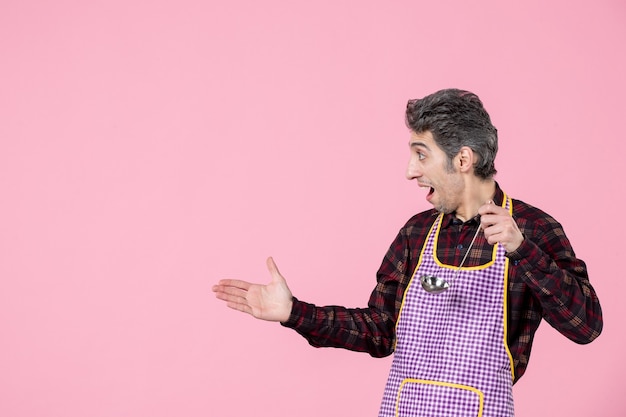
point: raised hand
(499, 227)
(270, 302)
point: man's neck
(477, 193)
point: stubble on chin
(442, 208)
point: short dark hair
(457, 118)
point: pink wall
(149, 148)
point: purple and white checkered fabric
(450, 357)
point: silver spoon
(436, 285)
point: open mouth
(431, 190)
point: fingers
(492, 214)
(233, 283)
(489, 208)
(240, 307)
(229, 291)
(494, 233)
(499, 227)
(234, 293)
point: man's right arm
(370, 329)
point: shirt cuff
(524, 250)
(530, 256)
(298, 313)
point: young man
(463, 287)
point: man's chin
(443, 209)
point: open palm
(270, 302)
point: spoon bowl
(433, 284)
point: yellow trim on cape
(506, 282)
(406, 290)
(481, 396)
(469, 268)
(505, 317)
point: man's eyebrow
(418, 143)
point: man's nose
(412, 172)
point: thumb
(271, 266)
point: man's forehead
(423, 139)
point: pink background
(150, 148)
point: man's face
(429, 165)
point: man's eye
(421, 156)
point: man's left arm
(545, 260)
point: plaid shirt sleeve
(370, 329)
(546, 263)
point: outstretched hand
(499, 227)
(270, 302)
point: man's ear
(466, 159)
